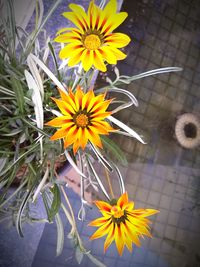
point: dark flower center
(118, 215)
(81, 119)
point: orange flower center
(81, 120)
(117, 212)
(92, 42)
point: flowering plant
(32, 151)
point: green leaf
(17, 87)
(55, 60)
(60, 235)
(3, 161)
(52, 206)
(95, 261)
(114, 149)
(21, 209)
(78, 255)
(55, 206)
(47, 199)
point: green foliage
(52, 207)
(115, 150)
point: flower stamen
(81, 120)
(117, 212)
(92, 42)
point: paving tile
(168, 189)
(163, 215)
(170, 232)
(165, 202)
(139, 255)
(152, 259)
(173, 218)
(166, 23)
(142, 195)
(158, 230)
(181, 235)
(176, 205)
(157, 185)
(154, 198)
(166, 247)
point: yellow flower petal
(98, 222)
(119, 239)
(68, 38)
(103, 230)
(96, 126)
(64, 107)
(108, 55)
(113, 22)
(98, 61)
(75, 57)
(69, 50)
(119, 54)
(125, 237)
(132, 233)
(122, 200)
(78, 124)
(117, 40)
(87, 59)
(62, 132)
(103, 205)
(76, 20)
(99, 23)
(87, 98)
(79, 10)
(94, 138)
(110, 237)
(125, 226)
(59, 121)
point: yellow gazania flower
(82, 120)
(93, 42)
(120, 222)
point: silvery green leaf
(29, 158)
(95, 261)
(6, 91)
(97, 178)
(46, 51)
(12, 133)
(41, 13)
(60, 235)
(108, 80)
(121, 181)
(48, 72)
(36, 98)
(69, 158)
(114, 149)
(101, 158)
(126, 128)
(116, 70)
(41, 184)
(22, 138)
(78, 255)
(20, 212)
(150, 73)
(63, 64)
(3, 183)
(35, 72)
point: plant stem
(109, 183)
(73, 220)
